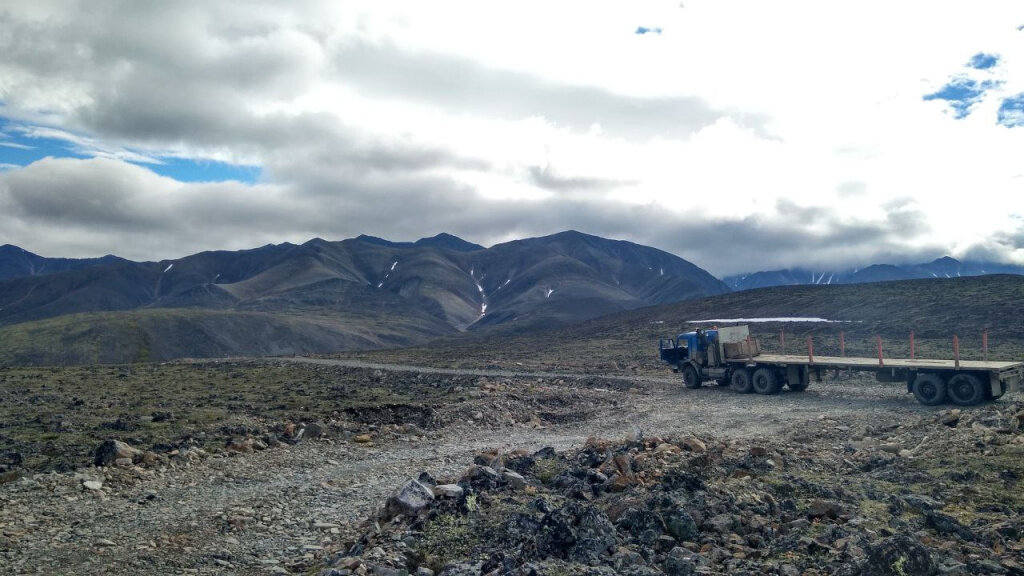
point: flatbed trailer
(730, 356)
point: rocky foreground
(938, 496)
(496, 475)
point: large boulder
(112, 451)
(412, 497)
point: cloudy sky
(740, 135)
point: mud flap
(796, 375)
(997, 389)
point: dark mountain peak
(366, 239)
(449, 242)
(946, 261)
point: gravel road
(278, 510)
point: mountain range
(323, 296)
(945, 267)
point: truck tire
(929, 389)
(690, 377)
(740, 381)
(764, 381)
(965, 390)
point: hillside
(934, 309)
(328, 296)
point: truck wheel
(965, 390)
(764, 381)
(929, 389)
(740, 381)
(690, 377)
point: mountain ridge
(943, 267)
(367, 292)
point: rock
(722, 523)
(162, 416)
(448, 491)
(920, 503)
(680, 563)
(890, 447)
(239, 445)
(666, 448)
(313, 431)
(946, 524)
(546, 452)
(92, 484)
(798, 524)
(898, 556)
(423, 571)
(482, 477)
(695, 445)
(513, 479)
(758, 451)
(112, 450)
(951, 418)
(363, 439)
(410, 498)
(105, 543)
(680, 525)
(825, 509)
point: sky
(740, 135)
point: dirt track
(280, 509)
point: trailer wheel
(764, 381)
(690, 377)
(965, 390)
(740, 381)
(929, 389)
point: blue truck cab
(687, 346)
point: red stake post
(878, 339)
(810, 350)
(782, 340)
(956, 351)
(984, 345)
(911, 344)
(842, 344)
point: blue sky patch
(1011, 111)
(982, 61)
(645, 30)
(961, 93)
(188, 170)
(21, 145)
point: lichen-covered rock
(898, 556)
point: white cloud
(793, 117)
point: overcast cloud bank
(740, 136)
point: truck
(730, 356)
